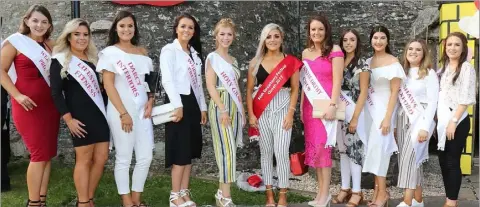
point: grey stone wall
(155, 25)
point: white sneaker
(417, 204)
(403, 204)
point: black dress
(77, 102)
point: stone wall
(155, 24)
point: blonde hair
(261, 49)
(62, 45)
(225, 23)
(425, 62)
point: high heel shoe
(80, 202)
(282, 205)
(33, 203)
(175, 196)
(186, 192)
(222, 201)
(44, 202)
(345, 198)
(352, 204)
(374, 196)
(384, 203)
(270, 204)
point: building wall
(404, 19)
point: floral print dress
(349, 143)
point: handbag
(254, 180)
(297, 163)
(162, 113)
(320, 105)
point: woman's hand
(148, 109)
(451, 130)
(177, 114)
(204, 118)
(225, 118)
(127, 123)
(288, 122)
(422, 136)
(76, 129)
(352, 126)
(252, 120)
(25, 101)
(331, 113)
(385, 126)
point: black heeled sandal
(44, 202)
(85, 202)
(33, 203)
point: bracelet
(293, 108)
(121, 115)
(224, 111)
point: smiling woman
(33, 110)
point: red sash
(274, 82)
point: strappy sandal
(33, 203)
(271, 204)
(385, 202)
(186, 192)
(374, 196)
(79, 202)
(91, 201)
(282, 205)
(345, 198)
(142, 204)
(352, 204)
(44, 202)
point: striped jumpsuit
(224, 138)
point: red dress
(38, 127)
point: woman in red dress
(33, 111)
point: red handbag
(253, 133)
(254, 180)
(297, 165)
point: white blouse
(463, 91)
(174, 70)
(425, 91)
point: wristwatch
(334, 105)
(454, 120)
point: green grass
(62, 192)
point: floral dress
(349, 143)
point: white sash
(126, 68)
(349, 111)
(444, 116)
(414, 110)
(377, 110)
(86, 77)
(28, 47)
(314, 90)
(230, 82)
(192, 73)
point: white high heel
(222, 201)
(186, 192)
(327, 202)
(175, 196)
(415, 203)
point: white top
(143, 64)
(174, 70)
(463, 92)
(425, 91)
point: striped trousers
(409, 176)
(224, 138)
(275, 140)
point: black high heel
(33, 203)
(44, 202)
(79, 202)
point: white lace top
(463, 91)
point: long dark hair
(327, 44)
(25, 30)
(358, 49)
(383, 29)
(463, 57)
(195, 41)
(112, 33)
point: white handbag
(162, 114)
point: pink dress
(316, 155)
